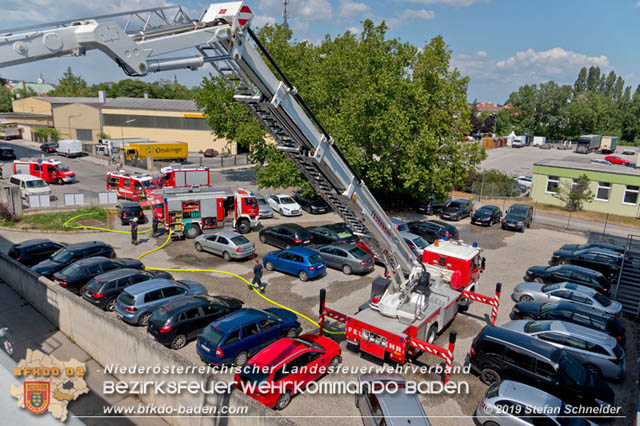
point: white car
(600, 161)
(524, 181)
(284, 204)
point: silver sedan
(227, 244)
(348, 258)
(565, 292)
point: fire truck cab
(51, 171)
(190, 211)
(131, 186)
(178, 176)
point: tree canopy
(398, 113)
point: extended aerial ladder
(139, 43)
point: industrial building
(162, 120)
(616, 187)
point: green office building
(616, 187)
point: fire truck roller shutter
(209, 208)
(180, 179)
(174, 205)
(197, 178)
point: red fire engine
(131, 186)
(179, 176)
(189, 211)
(51, 171)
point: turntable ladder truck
(409, 307)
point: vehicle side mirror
(483, 263)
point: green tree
(580, 86)
(593, 79)
(5, 99)
(504, 126)
(71, 85)
(576, 194)
(24, 92)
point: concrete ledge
(111, 341)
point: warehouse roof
(126, 103)
(588, 166)
(68, 100)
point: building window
(552, 184)
(603, 191)
(631, 195)
(84, 134)
(156, 122)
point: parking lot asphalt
(508, 255)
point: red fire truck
(51, 171)
(179, 176)
(189, 211)
(131, 186)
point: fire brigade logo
(36, 396)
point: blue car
(300, 261)
(236, 337)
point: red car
(616, 160)
(273, 374)
(210, 153)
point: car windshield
(550, 287)
(261, 201)
(38, 183)
(537, 326)
(287, 200)
(419, 242)
(126, 299)
(485, 209)
(604, 301)
(72, 270)
(239, 240)
(549, 307)
(455, 204)
(160, 315)
(255, 374)
(212, 336)
(147, 183)
(518, 211)
(572, 369)
(94, 285)
(358, 252)
(315, 258)
(62, 256)
(63, 167)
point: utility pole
(285, 15)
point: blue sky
(499, 44)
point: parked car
(265, 211)
(137, 302)
(284, 204)
(311, 204)
(335, 233)
(431, 230)
(599, 245)
(400, 225)
(381, 407)
(487, 216)
(49, 147)
(347, 258)
(76, 275)
(604, 261)
(518, 217)
(415, 243)
(288, 364)
(545, 146)
(301, 261)
(103, 290)
(30, 185)
(431, 206)
(498, 353)
(596, 351)
(571, 273)
(228, 244)
(210, 153)
(565, 292)
(510, 403)
(236, 337)
(7, 153)
(181, 320)
(127, 210)
(570, 312)
(628, 151)
(285, 236)
(614, 159)
(600, 161)
(525, 181)
(72, 253)
(456, 210)
(31, 252)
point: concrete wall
(70, 117)
(11, 196)
(110, 341)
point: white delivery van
(69, 148)
(30, 185)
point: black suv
(487, 216)
(313, 205)
(335, 233)
(518, 217)
(569, 273)
(103, 290)
(76, 275)
(431, 230)
(497, 353)
(606, 262)
(431, 206)
(285, 236)
(596, 245)
(456, 210)
(72, 253)
(179, 321)
(33, 251)
(571, 312)
(7, 153)
(128, 210)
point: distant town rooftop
(588, 166)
